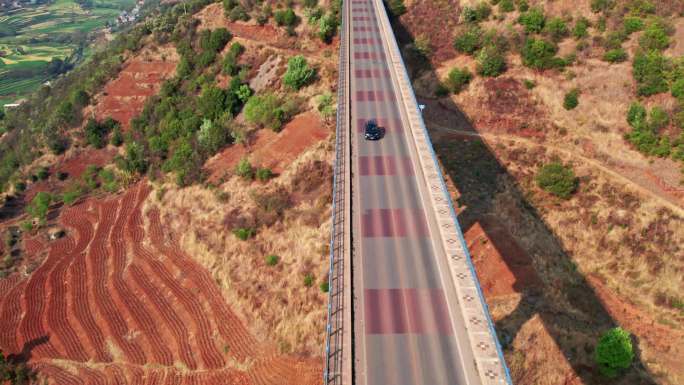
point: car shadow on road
(564, 301)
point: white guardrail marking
(491, 365)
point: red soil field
(124, 97)
(273, 150)
(115, 303)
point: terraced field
(31, 36)
(106, 306)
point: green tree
(580, 30)
(649, 71)
(490, 62)
(616, 55)
(212, 137)
(298, 73)
(632, 24)
(285, 17)
(571, 99)
(468, 41)
(614, 352)
(244, 169)
(678, 88)
(327, 27)
(264, 174)
(265, 111)
(539, 54)
(476, 14)
(556, 28)
(457, 79)
(396, 8)
(557, 179)
(39, 206)
(212, 102)
(654, 37)
(533, 20)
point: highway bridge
(405, 306)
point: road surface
(407, 327)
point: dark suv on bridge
(372, 131)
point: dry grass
(273, 300)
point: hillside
(166, 205)
(594, 86)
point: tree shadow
(17, 369)
(564, 301)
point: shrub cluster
(96, 132)
(457, 79)
(557, 179)
(298, 73)
(571, 99)
(645, 130)
(268, 110)
(614, 352)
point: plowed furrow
(10, 316)
(229, 325)
(167, 313)
(92, 377)
(56, 374)
(111, 314)
(202, 327)
(56, 315)
(31, 325)
(140, 314)
(115, 374)
(6, 284)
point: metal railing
(334, 343)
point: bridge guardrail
(334, 349)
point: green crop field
(30, 37)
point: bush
(267, 111)
(238, 13)
(327, 27)
(264, 174)
(396, 8)
(285, 17)
(539, 54)
(533, 20)
(557, 179)
(39, 206)
(298, 73)
(43, 173)
(649, 71)
(244, 233)
(580, 30)
(244, 169)
(556, 28)
(477, 14)
(469, 40)
(632, 24)
(326, 107)
(324, 286)
(308, 280)
(614, 352)
(678, 88)
(96, 132)
(506, 6)
(654, 37)
(636, 115)
(212, 137)
(272, 260)
(571, 99)
(457, 79)
(529, 84)
(616, 55)
(117, 137)
(645, 128)
(601, 5)
(490, 62)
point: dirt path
(663, 199)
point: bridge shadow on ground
(561, 298)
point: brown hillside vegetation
(557, 273)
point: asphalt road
(407, 327)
